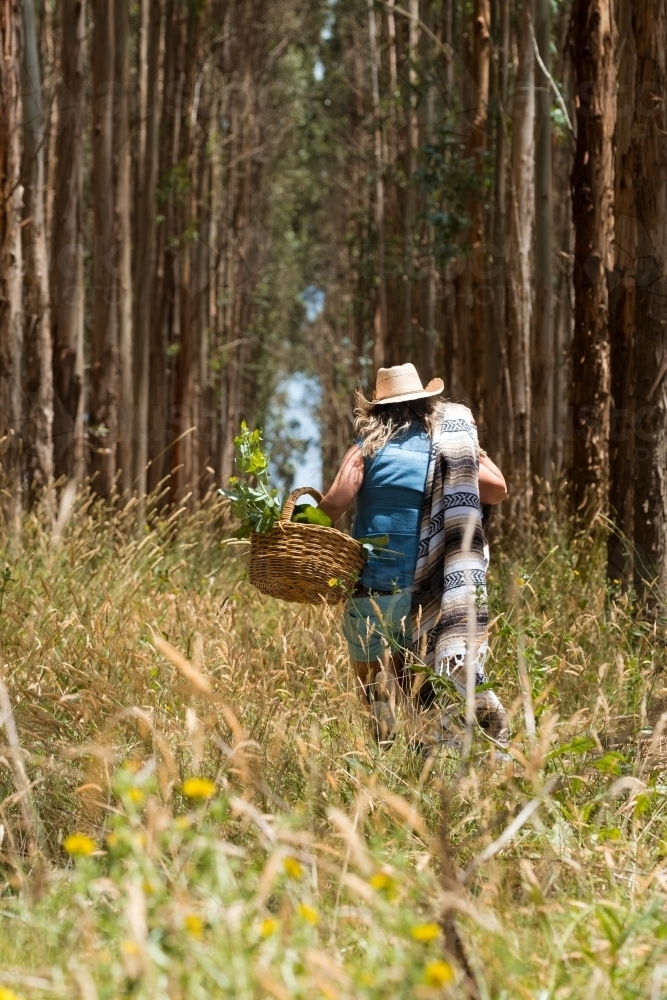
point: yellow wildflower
(309, 914)
(78, 844)
(130, 947)
(194, 925)
(268, 927)
(382, 882)
(438, 974)
(293, 868)
(8, 994)
(198, 788)
(425, 932)
(112, 839)
(135, 795)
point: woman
(404, 436)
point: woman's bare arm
(492, 486)
(346, 485)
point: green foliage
(209, 908)
(258, 507)
(255, 842)
(5, 578)
(446, 178)
(307, 514)
(377, 545)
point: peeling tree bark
(66, 273)
(621, 283)
(496, 373)
(103, 411)
(593, 213)
(124, 240)
(543, 363)
(380, 322)
(648, 163)
(145, 319)
(11, 269)
(38, 365)
(522, 215)
(477, 146)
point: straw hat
(402, 383)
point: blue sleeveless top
(390, 503)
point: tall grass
(306, 862)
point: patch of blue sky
(313, 299)
(299, 397)
(326, 34)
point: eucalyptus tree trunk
(124, 241)
(427, 271)
(11, 269)
(522, 214)
(145, 259)
(449, 340)
(592, 205)
(67, 270)
(543, 363)
(232, 370)
(393, 65)
(412, 143)
(448, 39)
(164, 314)
(622, 282)
(380, 321)
(393, 193)
(38, 363)
(103, 410)
(477, 146)
(648, 164)
(46, 43)
(496, 375)
(184, 477)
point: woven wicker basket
(295, 562)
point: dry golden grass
(320, 867)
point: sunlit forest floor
(305, 862)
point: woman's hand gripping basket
(305, 563)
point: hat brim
(434, 388)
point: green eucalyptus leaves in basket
(259, 506)
(296, 554)
(305, 513)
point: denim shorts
(371, 624)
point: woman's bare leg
(378, 680)
(364, 674)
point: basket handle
(288, 509)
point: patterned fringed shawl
(446, 575)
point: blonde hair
(377, 423)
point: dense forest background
(478, 187)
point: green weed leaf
(307, 514)
(254, 503)
(609, 763)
